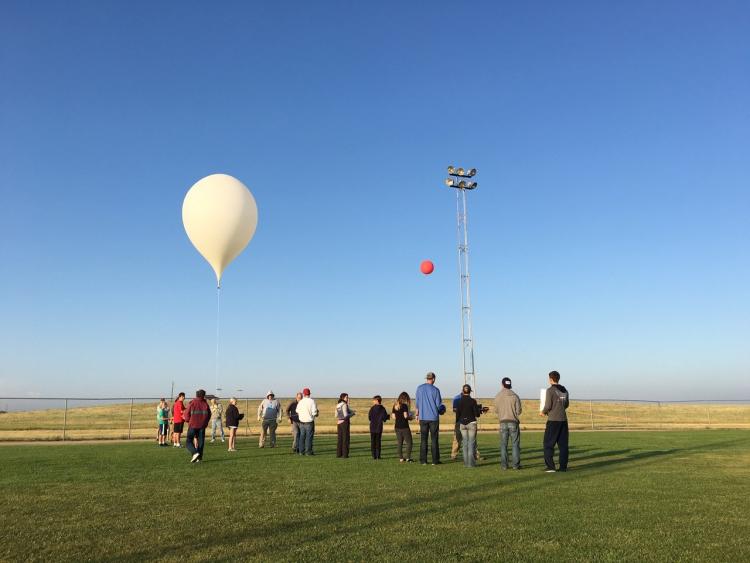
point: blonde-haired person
(402, 415)
(162, 418)
(233, 422)
(216, 411)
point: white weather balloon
(220, 216)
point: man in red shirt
(178, 409)
(197, 415)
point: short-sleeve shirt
(401, 420)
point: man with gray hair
(269, 415)
(508, 408)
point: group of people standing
(198, 414)
(429, 406)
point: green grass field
(638, 496)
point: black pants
(342, 444)
(427, 427)
(375, 440)
(556, 432)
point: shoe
(517, 468)
(195, 457)
(222, 440)
(504, 467)
(550, 471)
(409, 460)
(212, 440)
(261, 446)
(422, 463)
(563, 470)
(401, 460)
(453, 458)
(437, 463)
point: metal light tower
(460, 180)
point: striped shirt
(197, 414)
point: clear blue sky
(609, 232)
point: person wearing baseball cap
(269, 415)
(508, 408)
(429, 408)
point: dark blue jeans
(431, 427)
(306, 430)
(200, 434)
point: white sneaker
(195, 457)
(550, 471)
(222, 440)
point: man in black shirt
(291, 412)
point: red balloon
(427, 267)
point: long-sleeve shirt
(343, 412)
(233, 415)
(507, 406)
(216, 411)
(377, 416)
(291, 412)
(555, 403)
(197, 414)
(270, 409)
(307, 410)
(428, 402)
(467, 410)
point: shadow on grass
(321, 528)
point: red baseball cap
(306, 392)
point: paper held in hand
(542, 399)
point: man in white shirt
(307, 410)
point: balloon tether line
(218, 294)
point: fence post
(591, 411)
(247, 414)
(130, 420)
(65, 419)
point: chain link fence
(129, 418)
